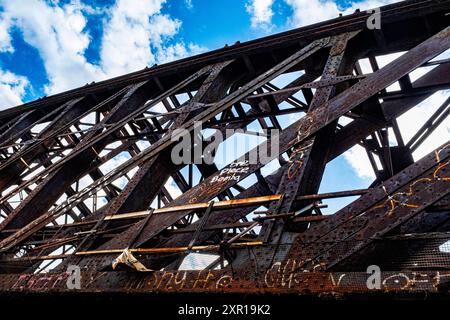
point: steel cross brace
(119, 115)
(390, 69)
(392, 203)
(317, 119)
(300, 158)
(148, 180)
(150, 152)
(235, 96)
(398, 107)
(341, 243)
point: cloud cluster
(135, 34)
(305, 12)
(5, 38)
(359, 161)
(12, 88)
(57, 33)
(133, 29)
(261, 13)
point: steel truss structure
(84, 174)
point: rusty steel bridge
(66, 201)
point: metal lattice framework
(84, 174)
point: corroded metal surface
(280, 278)
(89, 188)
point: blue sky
(50, 46)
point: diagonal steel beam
(373, 215)
(317, 119)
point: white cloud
(134, 26)
(197, 261)
(57, 33)
(5, 38)
(409, 123)
(12, 89)
(135, 35)
(261, 13)
(359, 161)
(172, 188)
(189, 4)
(178, 51)
(412, 120)
(306, 12)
